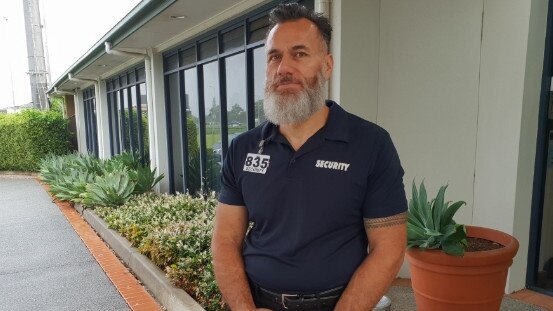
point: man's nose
(286, 65)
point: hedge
(27, 137)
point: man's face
(298, 67)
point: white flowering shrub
(175, 233)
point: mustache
(284, 79)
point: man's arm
(231, 223)
(387, 242)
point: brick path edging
(170, 296)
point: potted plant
(454, 267)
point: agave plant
(129, 159)
(112, 189)
(144, 178)
(70, 185)
(430, 225)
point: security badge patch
(257, 163)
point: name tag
(257, 163)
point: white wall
(356, 52)
(456, 83)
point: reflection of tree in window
(213, 126)
(193, 184)
(259, 114)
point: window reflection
(212, 126)
(144, 120)
(128, 113)
(193, 130)
(237, 116)
(176, 138)
(259, 65)
(133, 115)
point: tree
(236, 115)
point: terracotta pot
(473, 282)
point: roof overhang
(158, 25)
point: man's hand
(230, 227)
(387, 242)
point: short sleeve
(385, 194)
(230, 191)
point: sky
(71, 27)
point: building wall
(456, 83)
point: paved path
(43, 263)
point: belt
(324, 299)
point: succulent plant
(430, 224)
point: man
(319, 185)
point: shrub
(175, 233)
(29, 136)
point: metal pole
(35, 53)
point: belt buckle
(283, 297)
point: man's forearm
(387, 237)
(231, 277)
(370, 282)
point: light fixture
(179, 16)
(102, 65)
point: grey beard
(290, 108)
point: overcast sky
(71, 27)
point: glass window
(212, 126)
(176, 134)
(208, 48)
(141, 73)
(124, 119)
(128, 113)
(133, 116)
(193, 130)
(188, 56)
(237, 116)
(233, 39)
(144, 120)
(172, 62)
(91, 134)
(115, 124)
(258, 29)
(259, 66)
(132, 77)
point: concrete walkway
(43, 263)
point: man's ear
(329, 65)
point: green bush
(27, 137)
(175, 233)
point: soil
(478, 244)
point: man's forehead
(301, 30)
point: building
(463, 88)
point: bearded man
(321, 187)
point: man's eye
(273, 58)
(300, 54)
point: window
(214, 91)
(89, 100)
(128, 113)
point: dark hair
(285, 12)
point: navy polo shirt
(308, 205)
